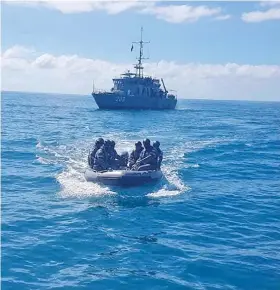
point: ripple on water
(211, 223)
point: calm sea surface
(213, 222)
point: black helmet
(138, 144)
(100, 141)
(147, 142)
(156, 144)
(107, 143)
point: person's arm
(131, 160)
(147, 159)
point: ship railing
(108, 91)
(133, 75)
(100, 91)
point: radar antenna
(139, 67)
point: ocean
(213, 222)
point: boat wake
(73, 184)
(73, 161)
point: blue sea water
(213, 222)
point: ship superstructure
(136, 91)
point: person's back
(135, 154)
(101, 158)
(147, 159)
(113, 156)
(146, 152)
(98, 143)
(159, 154)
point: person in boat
(101, 160)
(158, 153)
(98, 143)
(114, 157)
(123, 161)
(147, 159)
(135, 154)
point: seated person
(113, 156)
(98, 143)
(159, 154)
(135, 154)
(101, 157)
(147, 159)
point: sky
(202, 50)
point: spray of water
(73, 158)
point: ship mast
(139, 67)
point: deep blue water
(212, 223)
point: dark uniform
(159, 153)
(148, 157)
(98, 143)
(113, 156)
(101, 160)
(135, 154)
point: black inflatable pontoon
(123, 177)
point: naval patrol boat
(136, 91)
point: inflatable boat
(123, 177)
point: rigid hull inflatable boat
(123, 177)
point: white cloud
(18, 51)
(181, 13)
(168, 12)
(260, 16)
(74, 74)
(45, 61)
(111, 6)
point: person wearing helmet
(100, 140)
(159, 153)
(135, 154)
(114, 158)
(147, 159)
(98, 143)
(101, 157)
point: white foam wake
(71, 179)
(73, 184)
(74, 160)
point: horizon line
(190, 99)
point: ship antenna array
(139, 67)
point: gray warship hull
(136, 91)
(115, 101)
